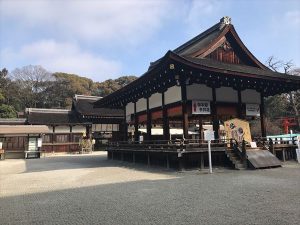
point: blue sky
(107, 39)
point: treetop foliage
(35, 87)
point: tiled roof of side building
(63, 118)
(85, 106)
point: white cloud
(200, 13)
(63, 57)
(130, 21)
(293, 18)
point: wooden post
(262, 116)
(149, 122)
(200, 130)
(168, 161)
(283, 155)
(181, 163)
(166, 127)
(148, 158)
(133, 157)
(240, 105)
(215, 120)
(202, 160)
(125, 131)
(136, 125)
(185, 118)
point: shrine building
(209, 79)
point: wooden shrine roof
(190, 59)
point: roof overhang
(23, 129)
(164, 74)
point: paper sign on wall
(238, 129)
(252, 110)
(200, 107)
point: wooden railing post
(271, 146)
(244, 153)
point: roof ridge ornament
(225, 20)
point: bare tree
(33, 81)
(292, 97)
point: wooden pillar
(166, 127)
(262, 116)
(283, 155)
(240, 105)
(148, 159)
(70, 137)
(136, 125)
(215, 119)
(168, 161)
(185, 118)
(201, 161)
(149, 122)
(125, 128)
(200, 129)
(53, 138)
(181, 163)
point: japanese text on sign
(200, 107)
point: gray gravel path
(88, 189)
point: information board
(252, 110)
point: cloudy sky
(107, 39)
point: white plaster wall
(199, 92)
(155, 100)
(115, 127)
(78, 129)
(226, 94)
(141, 105)
(50, 129)
(173, 94)
(250, 96)
(130, 108)
(62, 129)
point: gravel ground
(89, 189)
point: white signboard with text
(209, 135)
(200, 107)
(252, 110)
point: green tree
(7, 111)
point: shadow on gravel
(86, 161)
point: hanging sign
(39, 143)
(200, 107)
(252, 110)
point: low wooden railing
(179, 145)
